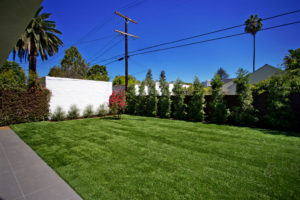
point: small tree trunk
(253, 53)
(32, 67)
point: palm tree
(292, 60)
(253, 25)
(39, 38)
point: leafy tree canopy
(120, 80)
(222, 73)
(72, 64)
(12, 76)
(292, 60)
(98, 72)
(55, 71)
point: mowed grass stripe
(151, 158)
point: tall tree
(140, 107)
(98, 72)
(197, 104)
(244, 112)
(219, 113)
(222, 73)
(151, 101)
(131, 99)
(179, 105)
(164, 103)
(72, 64)
(40, 38)
(253, 25)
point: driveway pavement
(25, 176)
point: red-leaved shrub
(117, 102)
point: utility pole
(126, 45)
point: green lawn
(151, 158)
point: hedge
(260, 103)
(23, 106)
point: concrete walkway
(25, 176)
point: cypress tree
(164, 103)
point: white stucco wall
(66, 92)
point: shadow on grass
(116, 118)
(110, 118)
(277, 132)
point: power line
(102, 48)
(109, 48)
(209, 40)
(100, 26)
(200, 35)
(132, 4)
(212, 32)
(97, 39)
(203, 41)
(110, 62)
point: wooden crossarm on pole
(125, 17)
(126, 34)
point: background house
(265, 72)
(206, 83)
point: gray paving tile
(22, 169)
(21, 157)
(9, 139)
(9, 189)
(4, 166)
(34, 182)
(57, 191)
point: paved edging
(25, 176)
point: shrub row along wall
(23, 106)
(260, 103)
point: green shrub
(131, 99)
(280, 115)
(58, 114)
(151, 99)
(197, 104)
(164, 109)
(178, 103)
(219, 113)
(19, 106)
(102, 110)
(73, 112)
(244, 113)
(140, 108)
(88, 111)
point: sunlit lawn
(151, 158)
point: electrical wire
(209, 40)
(97, 39)
(200, 35)
(112, 46)
(102, 48)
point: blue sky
(166, 20)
